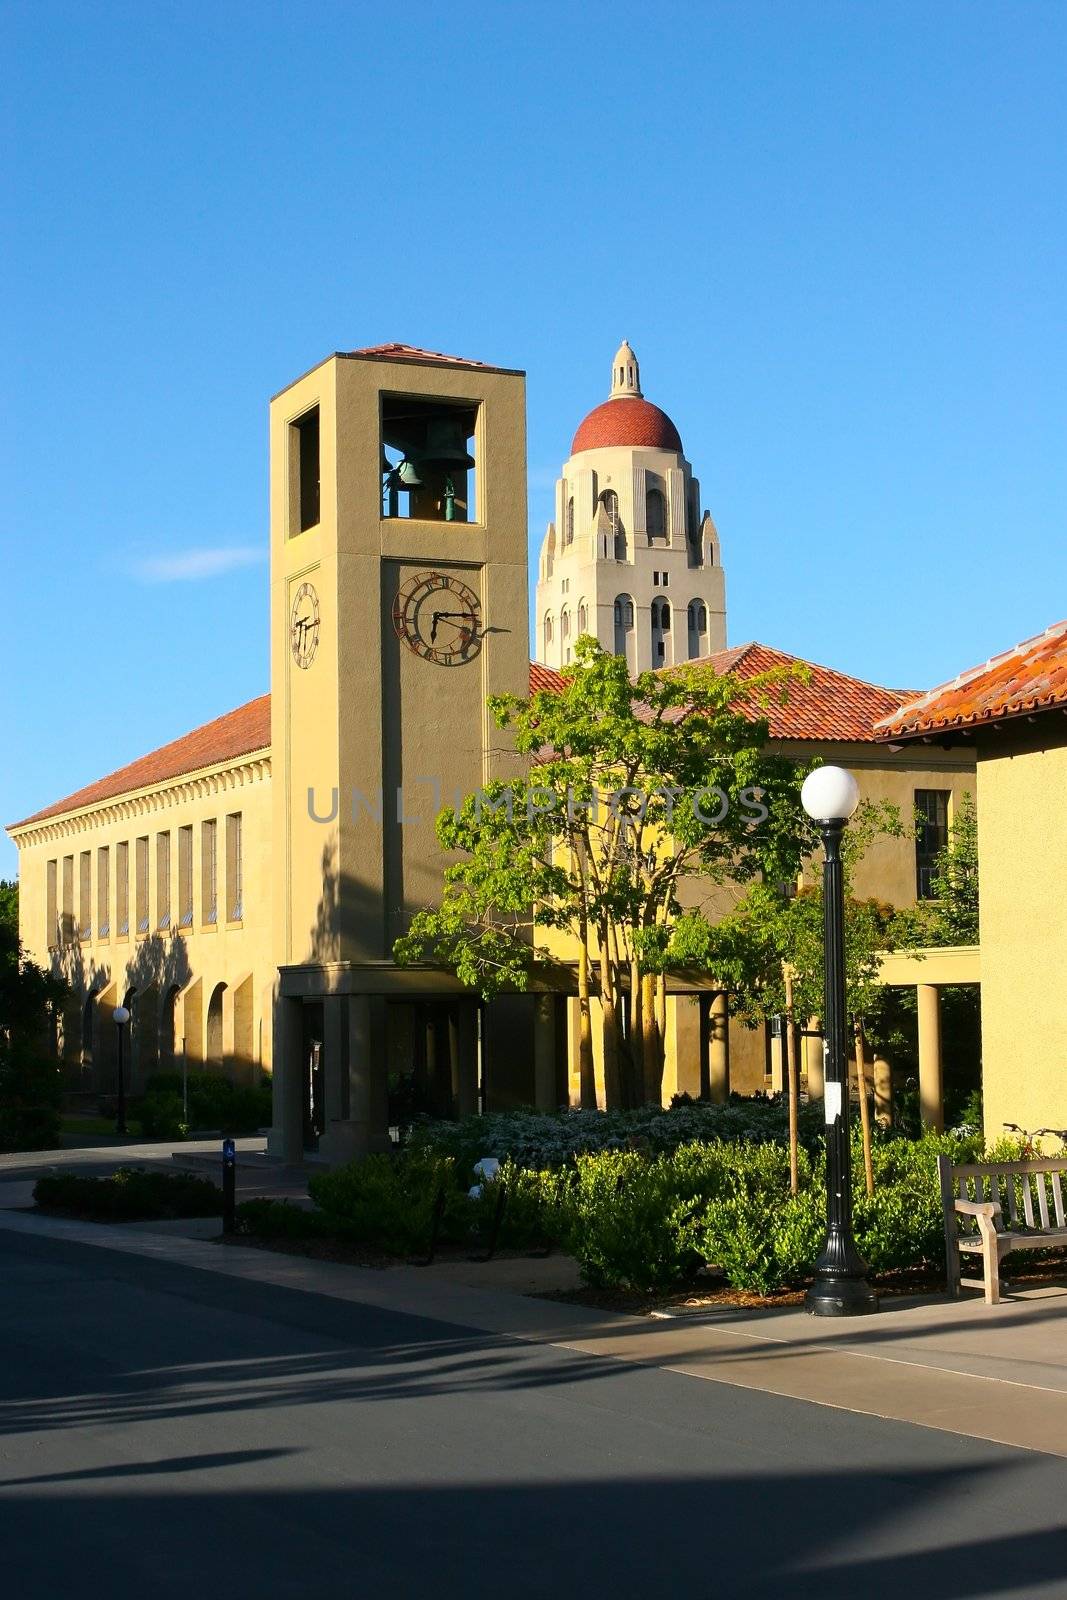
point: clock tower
(398, 605)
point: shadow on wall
(148, 985)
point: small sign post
(229, 1186)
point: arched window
(698, 629)
(564, 624)
(660, 612)
(655, 514)
(548, 630)
(568, 523)
(624, 628)
(610, 501)
(583, 617)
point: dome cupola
(626, 418)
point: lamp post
(122, 1017)
(830, 795)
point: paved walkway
(996, 1373)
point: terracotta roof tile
(829, 706)
(410, 352)
(626, 420)
(238, 733)
(1032, 677)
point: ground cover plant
(214, 1104)
(644, 1201)
(129, 1195)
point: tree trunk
(586, 1070)
(610, 1024)
(792, 1085)
(637, 1036)
(865, 1110)
(653, 1059)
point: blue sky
(835, 234)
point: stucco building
(241, 888)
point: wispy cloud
(189, 565)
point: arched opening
(168, 1031)
(698, 629)
(568, 522)
(655, 514)
(662, 655)
(610, 501)
(624, 628)
(88, 1040)
(214, 1026)
(548, 633)
(565, 633)
(583, 617)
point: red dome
(627, 421)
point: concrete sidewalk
(996, 1373)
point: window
(185, 877)
(234, 869)
(697, 617)
(141, 885)
(66, 927)
(209, 871)
(568, 523)
(85, 895)
(52, 904)
(548, 630)
(103, 892)
(564, 624)
(122, 890)
(583, 617)
(304, 471)
(931, 837)
(661, 614)
(426, 458)
(162, 881)
(624, 626)
(655, 514)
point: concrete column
(883, 1091)
(545, 1052)
(814, 1069)
(286, 1141)
(931, 1085)
(719, 1049)
(778, 1063)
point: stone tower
(630, 558)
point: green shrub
(129, 1195)
(29, 1127)
(389, 1201)
(214, 1102)
(536, 1209)
(280, 1219)
(160, 1115)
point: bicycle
(1030, 1149)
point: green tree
(635, 788)
(29, 997)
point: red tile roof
(1032, 677)
(626, 421)
(410, 352)
(238, 733)
(828, 706)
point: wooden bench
(974, 1200)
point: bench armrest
(979, 1208)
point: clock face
(304, 626)
(438, 618)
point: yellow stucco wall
(194, 960)
(1022, 847)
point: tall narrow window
(85, 895)
(185, 877)
(162, 881)
(304, 471)
(624, 626)
(234, 869)
(698, 629)
(568, 522)
(52, 904)
(122, 890)
(66, 928)
(548, 630)
(655, 514)
(931, 837)
(583, 617)
(103, 892)
(141, 885)
(209, 871)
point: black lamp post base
(845, 1297)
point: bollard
(229, 1186)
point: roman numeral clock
(439, 618)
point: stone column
(931, 1086)
(286, 1141)
(813, 1060)
(883, 1091)
(719, 1049)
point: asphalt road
(167, 1432)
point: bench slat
(974, 1169)
(1013, 1210)
(1042, 1199)
(1028, 1202)
(1057, 1200)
